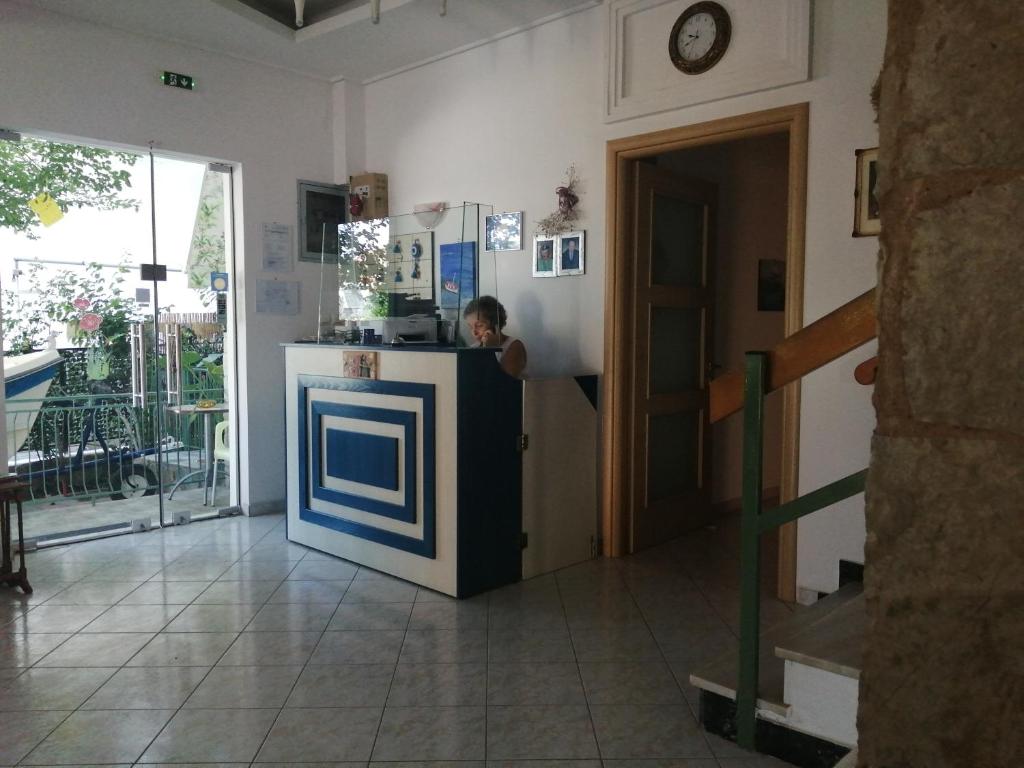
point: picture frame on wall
(544, 248)
(504, 232)
(771, 285)
(571, 249)
(866, 222)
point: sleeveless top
(502, 350)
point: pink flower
(90, 322)
(81, 303)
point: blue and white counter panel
(398, 473)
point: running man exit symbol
(177, 80)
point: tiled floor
(56, 515)
(221, 642)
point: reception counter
(416, 473)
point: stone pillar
(943, 676)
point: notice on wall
(278, 252)
(277, 297)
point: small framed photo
(359, 365)
(865, 219)
(771, 285)
(570, 254)
(504, 232)
(544, 247)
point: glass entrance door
(102, 362)
(184, 347)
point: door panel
(676, 349)
(677, 232)
(672, 321)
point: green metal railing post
(750, 547)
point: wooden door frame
(618, 336)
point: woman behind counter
(486, 318)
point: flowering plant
(45, 302)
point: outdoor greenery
(73, 300)
(73, 175)
(207, 251)
(362, 264)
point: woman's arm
(513, 361)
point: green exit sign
(177, 80)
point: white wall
(68, 78)
(500, 123)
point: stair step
(832, 644)
(719, 676)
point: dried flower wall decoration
(564, 219)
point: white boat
(27, 379)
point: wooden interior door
(673, 302)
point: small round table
(211, 468)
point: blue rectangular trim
(362, 458)
(425, 547)
(406, 511)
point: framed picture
(359, 365)
(458, 275)
(544, 247)
(570, 254)
(504, 232)
(411, 265)
(865, 198)
(771, 285)
(321, 209)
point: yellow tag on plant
(46, 209)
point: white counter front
(416, 473)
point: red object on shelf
(355, 205)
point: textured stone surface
(943, 679)
(956, 73)
(962, 315)
(943, 676)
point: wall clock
(699, 38)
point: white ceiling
(345, 45)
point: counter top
(407, 347)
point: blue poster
(458, 274)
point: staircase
(807, 685)
(790, 691)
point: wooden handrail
(808, 349)
(866, 372)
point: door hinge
(522, 442)
(524, 540)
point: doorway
(754, 297)
(105, 361)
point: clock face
(696, 36)
(699, 37)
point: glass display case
(399, 275)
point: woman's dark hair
(490, 309)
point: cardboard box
(373, 188)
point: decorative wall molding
(770, 47)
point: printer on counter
(414, 328)
(411, 318)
